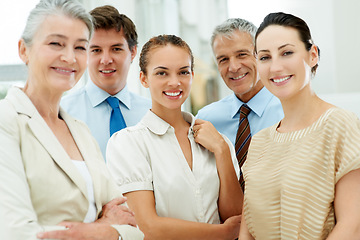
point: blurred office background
(335, 27)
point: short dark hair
(289, 20)
(108, 17)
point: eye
(263, 58)
(241, 55)
(287, 53)
(81, 48)
(185, 72)
(222, 60)
(95, 50)
(161, 73)
(117, 49)
(56, 44)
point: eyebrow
(165, 68)
(239, 51)
(114, 45)
(279, 48)
(65, 37)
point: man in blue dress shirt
(233, 46)
(112, 49)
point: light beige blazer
(39, 185)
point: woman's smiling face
(283, 63)
(168, 77)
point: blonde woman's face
(57, 57)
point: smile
(172, 94)
(64, 70)
(239, 77)
(279, 80)
(107, 71)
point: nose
(106, 58)
(68, 55)
(275, 65)
(174, 81)
(234, 65)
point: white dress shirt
(84, 171)
(149, 157)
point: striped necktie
(243, 138)
(117, 121)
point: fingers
(117, 201)
(59, 234)
(199, 121)
(68, 224)
(126, 209)
(197, 126)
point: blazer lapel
(45, 136)
(88, 150)
(49, 141)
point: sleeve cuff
(128, 232)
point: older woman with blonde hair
(53, 176)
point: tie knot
(113, 102)
(244, 110)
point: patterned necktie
(243, 138)
(117, 121)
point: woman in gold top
(302, 177)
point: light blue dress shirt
(224, 114)
(89, 105)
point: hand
(115, 212)
(233, 226)
(83, 231)
(206, 135)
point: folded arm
(155, 227)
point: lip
(107, 72)
(173, 94)
(64, 71)
(281, 80)
(240, 77)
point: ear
(314, 55)
(143, 79)
(133, 52)
(23, 51)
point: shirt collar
(97, 95)
(158, 126)
(257, 104)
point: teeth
(63, 70)
(107, 71)
(279, 80)
(172, 94)
(241, 76)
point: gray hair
(232, 24)
(44, 8)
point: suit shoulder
(7, 111)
